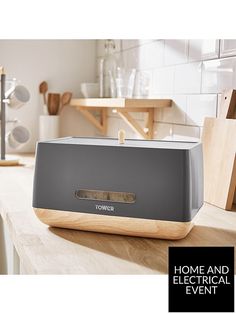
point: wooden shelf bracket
(147, 131)
(100, 125)
(124, 107)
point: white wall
(64, 64)
(191, 72)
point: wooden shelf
(123, 107)
(121, 102)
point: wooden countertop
(44, 250)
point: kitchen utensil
(65, 99)
(43, 88)
(219, 147)
(139, 188)
(53, 103)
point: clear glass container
(124, 82)
(109, 69)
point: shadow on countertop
(150, 253)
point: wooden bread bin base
(115, 224)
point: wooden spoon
(65, 99)
(43, 88)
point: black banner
(201, 279)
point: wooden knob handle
(121, 136)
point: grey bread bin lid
(138, 143)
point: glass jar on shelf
(107, 70)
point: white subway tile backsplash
(151, 55)
(188, 78)
(218, 75)
(187, 71)
(162, 131)
(176, 51)
(163, 81)
(177, 112)
(145, 57)
(131, 43)
(186, 133)
(203, 49)
(228, 47)
(199, 107)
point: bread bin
(138, 188)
